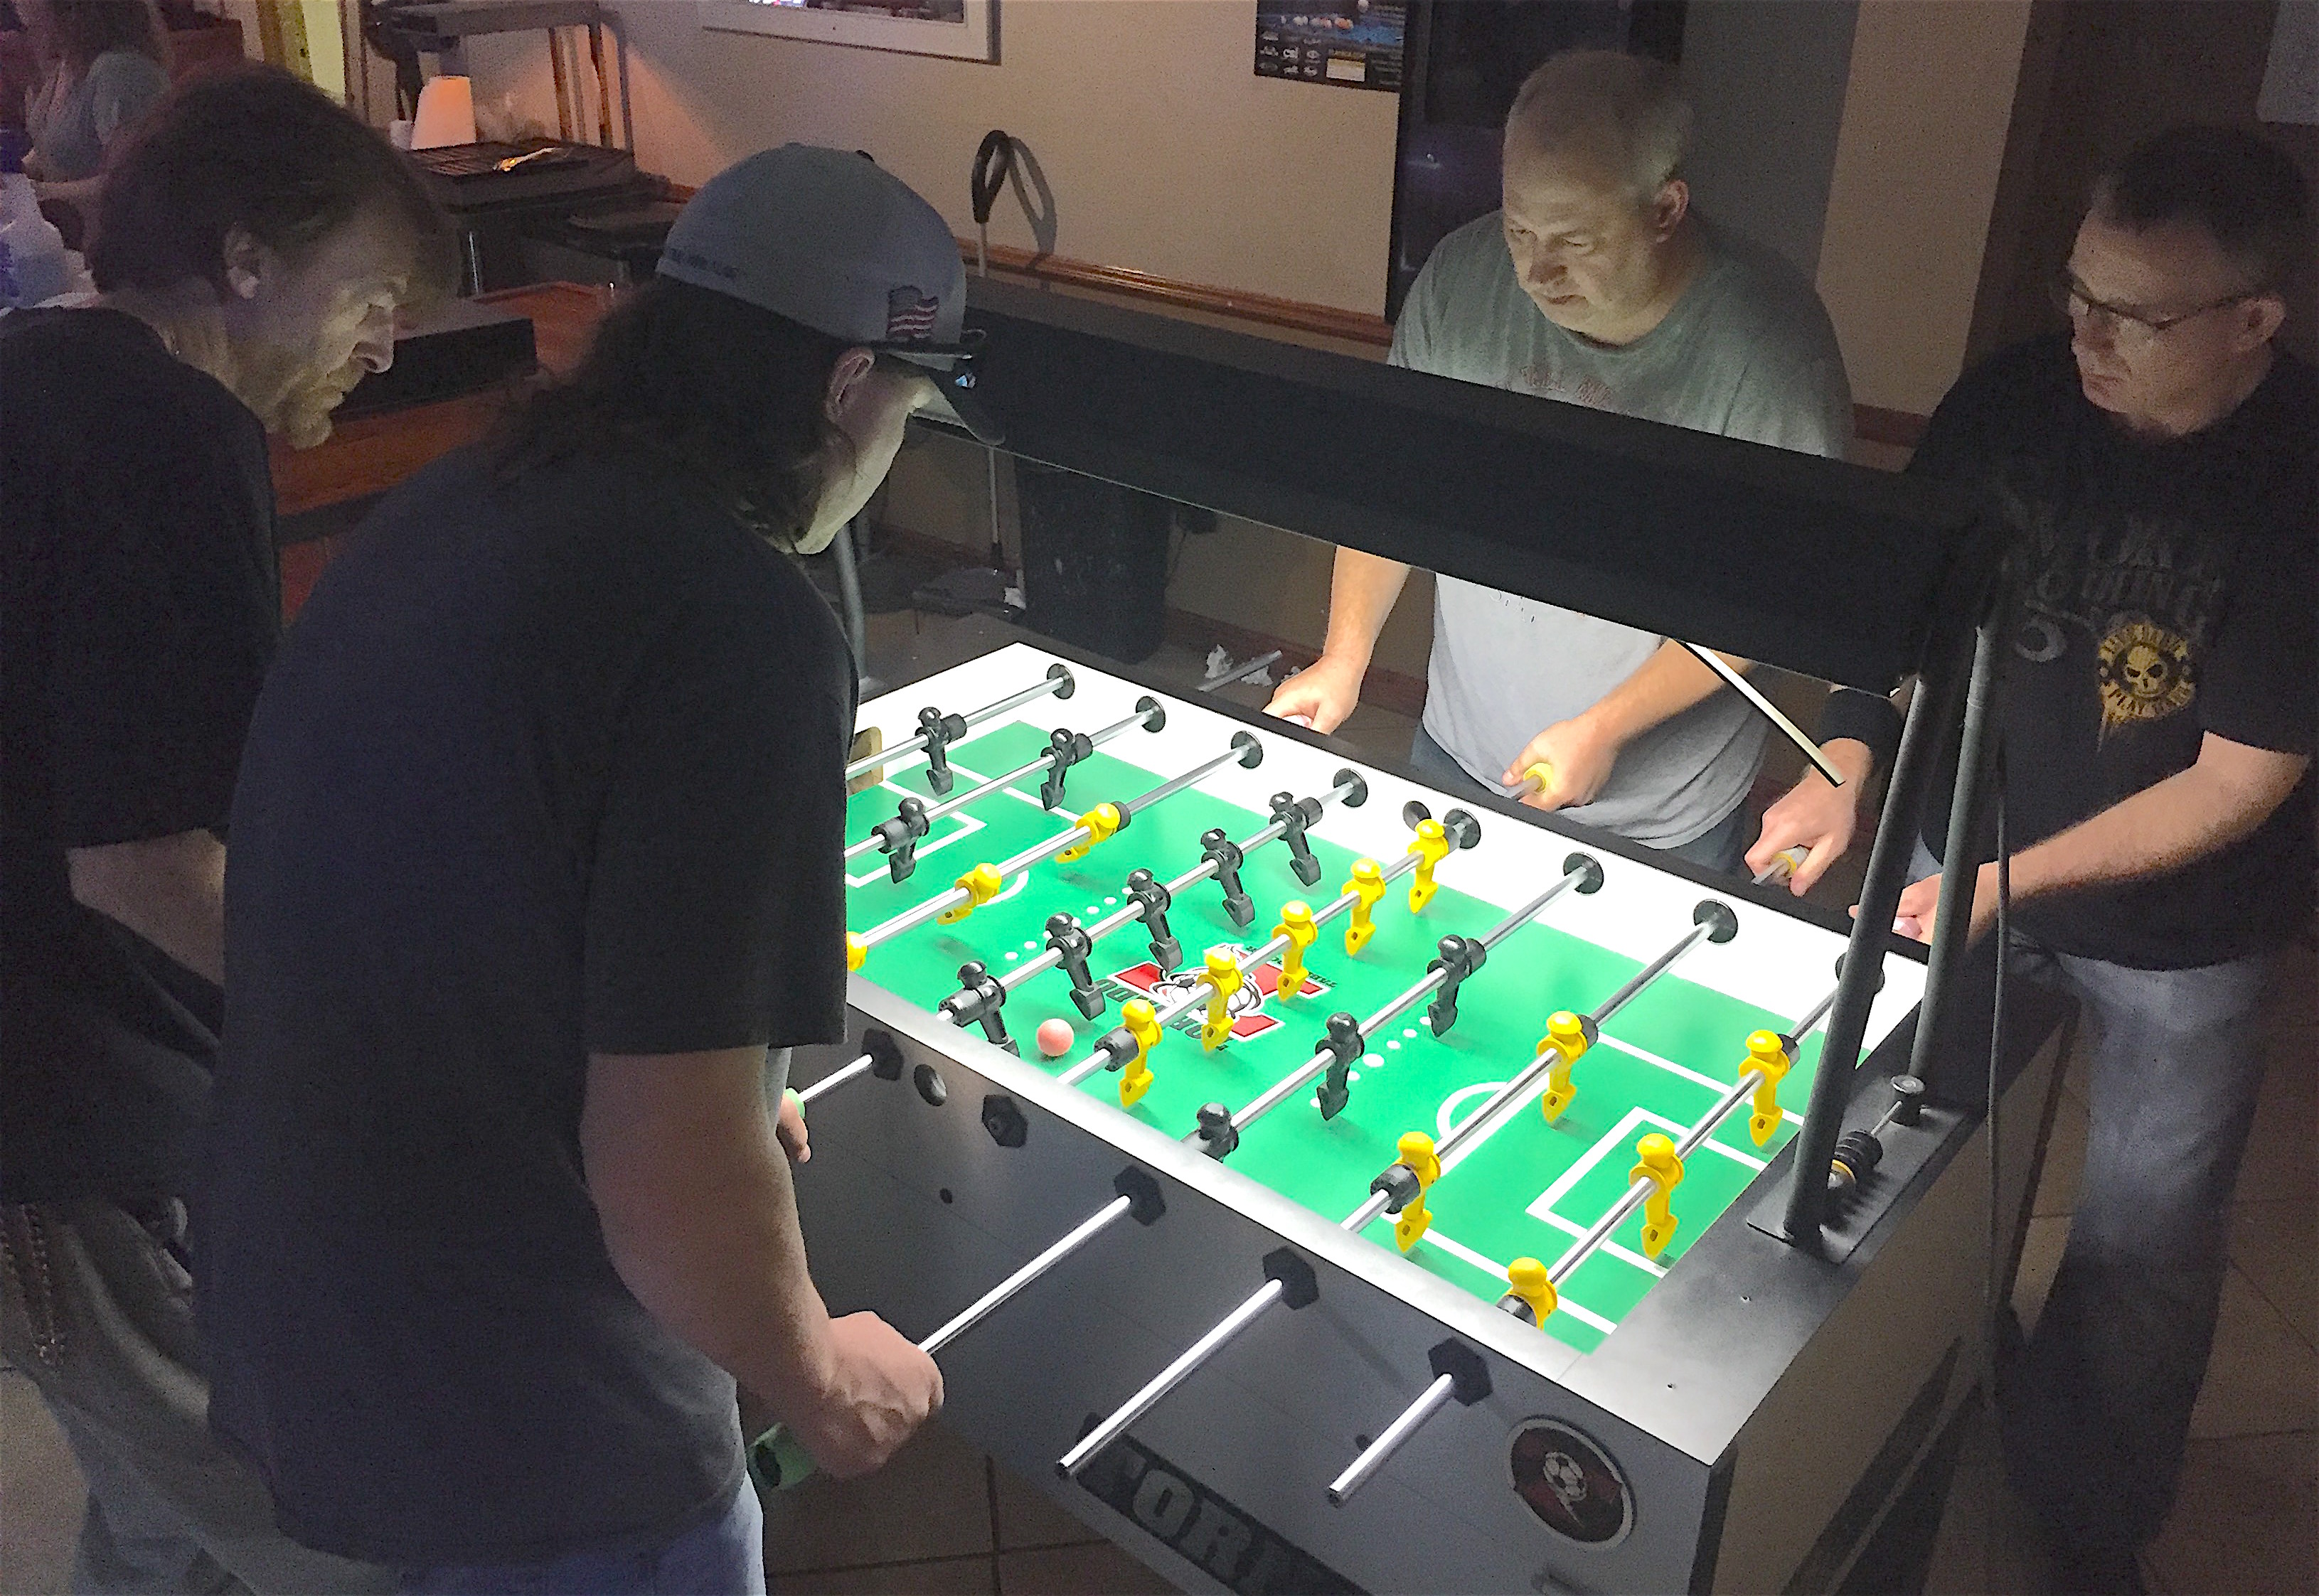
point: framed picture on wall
(966, 30)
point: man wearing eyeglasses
(2156, 468)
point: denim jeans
(2094, 1410)
(1721, 848)
(96, 1309)
(722, 1555)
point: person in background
(1596, 284)
(537, 877)
(2158, 468)
(105, 64)
(256, 240)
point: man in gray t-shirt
(1594, 285)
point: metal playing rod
(1249, 1311)
(1202, 987)
(942, 902)
(1244, 745)
(1099, 930)
(960, 800)
(1056, 680)
(1286, 1086)
(1602, 1230)
(1188, 1363)
(1086, 1230)
(834, 1079)
(1373, 1457)
(776, 1455)
(1173, 1376)
(1499, 1104)
(1430, 1401)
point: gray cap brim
(957, 401)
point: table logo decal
(1570, 1483)
(1251, 1017)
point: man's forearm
(1665, 685)
(700, 1219)
(169, 890)
(2166, 827)
(1362, 589)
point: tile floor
(943, 1519)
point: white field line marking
(1496, 1270)
(1446, 1120)
(1624, 1255)
(1615, 1139)
(1717, 1086)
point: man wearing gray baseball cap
(536, 877)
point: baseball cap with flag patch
(832, 242)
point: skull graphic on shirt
(2146, 672)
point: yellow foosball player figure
(1297, 926)
(1368, 881)
(1530, 1291)
(1566, 1037)
(1431, 846)
(1418, 1157)
(1657, 1161)
(1768, 1057)
(1224, 981)
(980, 885)
(1139, 1020)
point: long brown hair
(688, 382)
(253, 150)
(87, 29)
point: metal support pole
(1863, 954)
(1960, 870)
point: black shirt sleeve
(2259, 674)
(716, 914)
(166, 619)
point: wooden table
(367, 455)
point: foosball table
(1324, 1186)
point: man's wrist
(1602, 722)
(1853, 759)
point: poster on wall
(1351, 43)
(967, 30)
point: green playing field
(1529, 1190)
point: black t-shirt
(2161, 591)
(139, 604)
(546, 767)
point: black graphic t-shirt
(2163, 590)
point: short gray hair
(1630, 110)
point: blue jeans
(723, 1555)
(1721, 847)
(2094, 1410)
